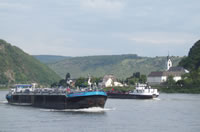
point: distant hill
(121, 66)
(50, 58)
(192, 61)
(17, 66)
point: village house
(110, 81)
(161, 76)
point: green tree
(192, 78)
(55, 84)
(192, 62)
(170, 81)
(136, 78)
(63, 83)
(67, 77)
(136, 75)
(132, 81)
(96, 79)
(81, 82)
(143, 79)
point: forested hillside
(50, 58)
(122, 66)
(17, 66)
(192, 63)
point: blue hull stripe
(92, 93)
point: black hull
(58, 101)
(130, 96)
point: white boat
(142, 91)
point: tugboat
(56, 98)
(142, 91)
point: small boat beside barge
(142, 91)
(56, 98)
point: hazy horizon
(104, 55)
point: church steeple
(169, 62)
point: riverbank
(178, 89)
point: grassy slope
(121, 66)
(19, 67)
(49, 58)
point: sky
(101, 27)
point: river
(168, 113)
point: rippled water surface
(169, 113)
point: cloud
(159, 38)
(103, 5)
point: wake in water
(3, 102)
(156, 99)
(89, 110)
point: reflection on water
(168, 113)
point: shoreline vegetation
(1, 89)
(177, 89)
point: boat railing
(52, 91)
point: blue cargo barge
(56, 99)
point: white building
(111, 81)
(161, 76)
(156, 78)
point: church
(159, 77)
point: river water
(169, 113)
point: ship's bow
(86, 100)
